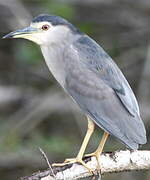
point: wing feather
(101, 63)
(100, 89)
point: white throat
(54, 61)
(54, 56)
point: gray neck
(54, 57)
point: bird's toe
(74, 160)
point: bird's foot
(96, 154)
(74, 160)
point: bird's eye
(45, 27)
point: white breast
(54, 61)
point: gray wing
(100, 89)
(101, 63)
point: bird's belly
(55, 65)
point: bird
(91, 78)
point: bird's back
(102, 92)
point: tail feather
(132, 136)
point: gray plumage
(89, 76)
(94, 81)
(103, 93)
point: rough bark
(110, 162)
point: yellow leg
(89, 132)
(102, 143)
(79, 157)
(100, 148)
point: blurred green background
(34, 110)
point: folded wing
(99, 87)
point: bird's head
(45, 29)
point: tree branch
(110, 162)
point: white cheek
(54, 35)
(43, 38)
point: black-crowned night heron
(89, 75)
